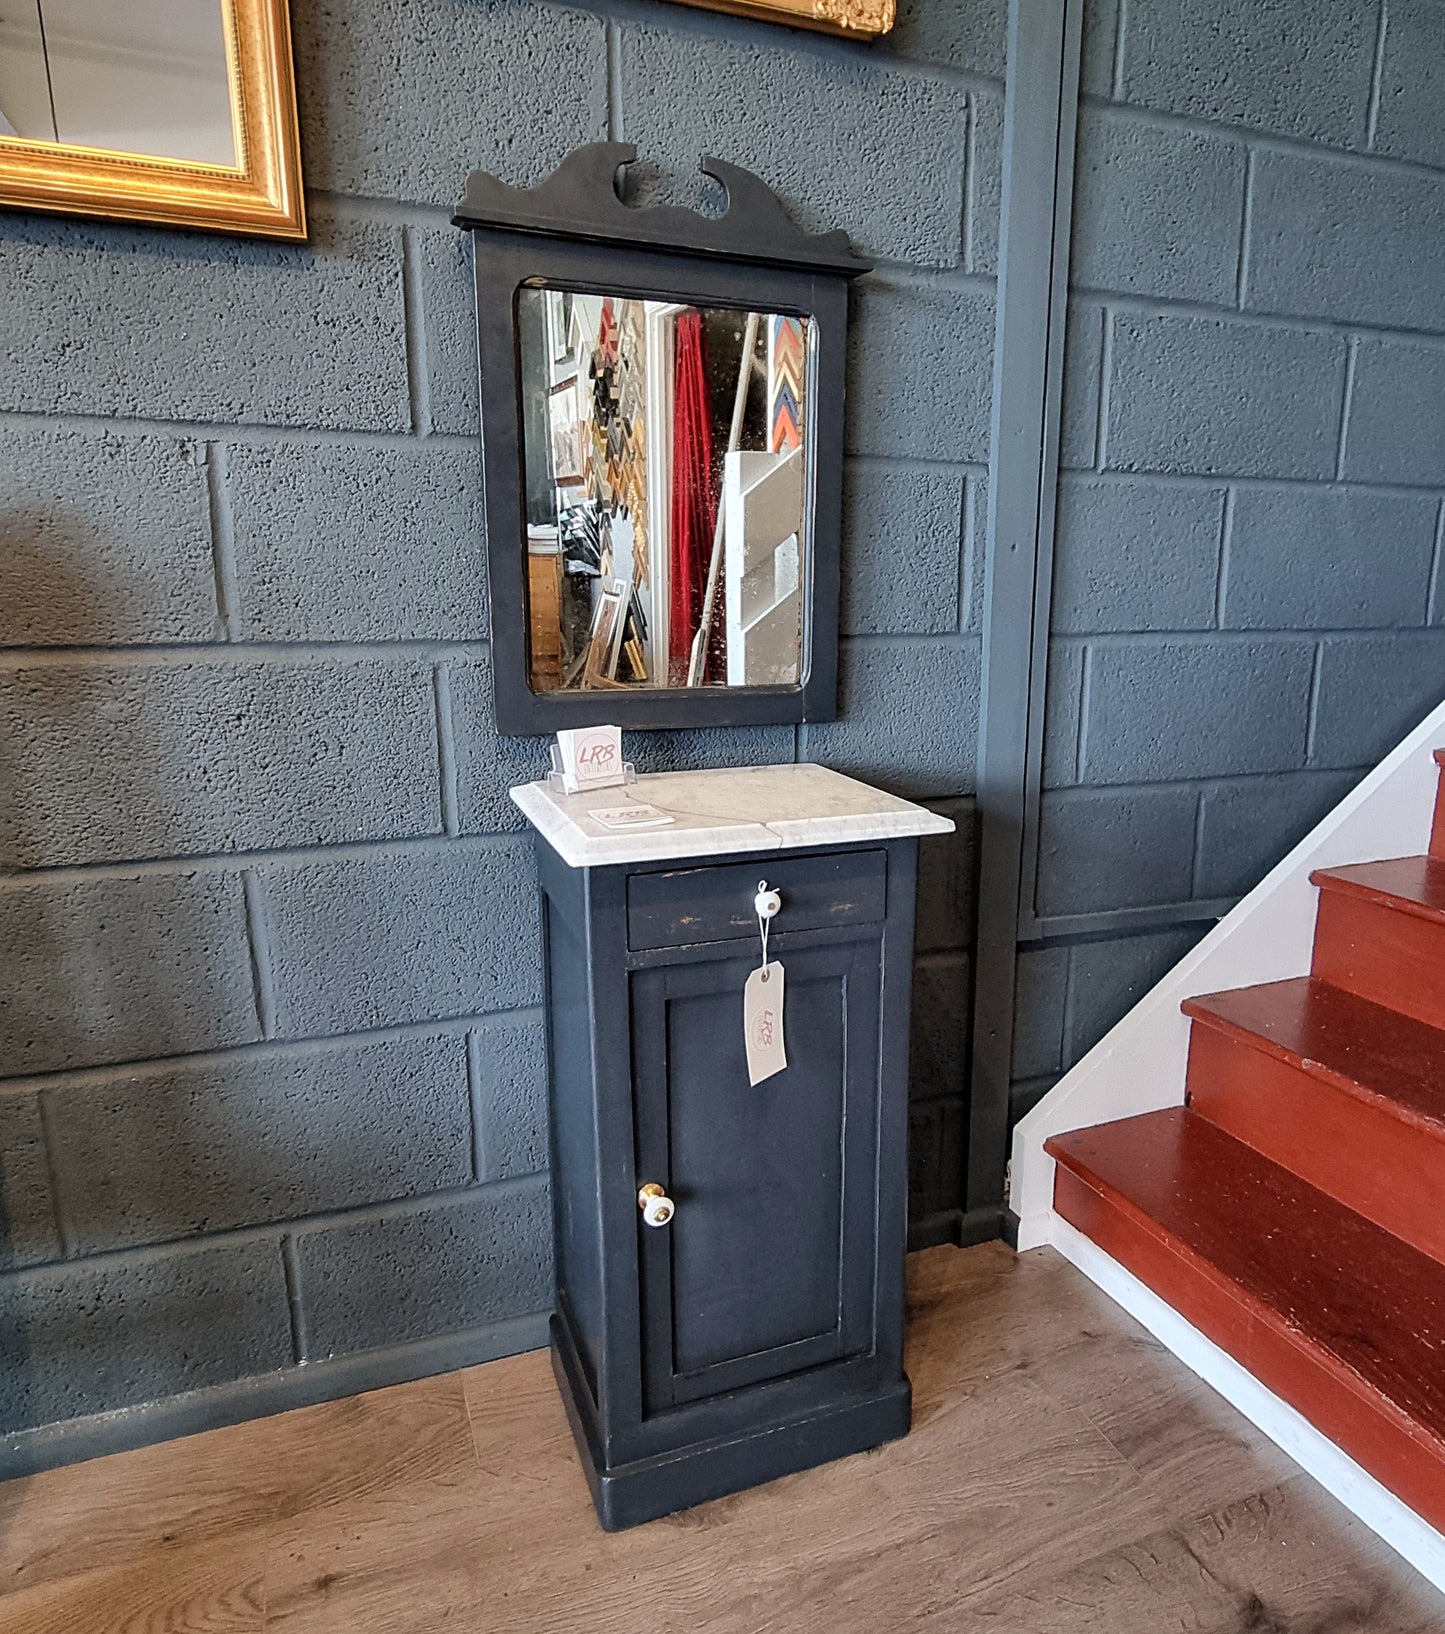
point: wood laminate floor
(1064, 1476)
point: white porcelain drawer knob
(766, 902)
(657, 1207)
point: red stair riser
(1356, 1419)
(1357, 1151)
(1393, 958)
(1126, 1238)
(1401, 1457)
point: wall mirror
(664, 448)
(662, 398)
(180, 112)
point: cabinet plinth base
(629, 1494)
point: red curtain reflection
(693, 504)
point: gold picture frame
(858, 19)
(261, 195)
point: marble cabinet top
(717, 813)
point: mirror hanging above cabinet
(662, 437)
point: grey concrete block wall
(1396, 408)
(1372, 690)
(122, 969)
(425, 1268)
(1108, 978)
(445, 295)
(1294, 68)
(942, 1031)
(1247, 826)
(941, 1035)
(131, 760)
(920, 370)
(1158, 208)
(1040, 994)
(679, 92)
(1407, 121)
(1083, 382)
(1136, 555)
(271, 1047)
(1063, 712)
(1249, 525)
(94, 1335)
(337, 543)
(1158, 711)
(985, 193)
(1101, 849)
(401, 98)
(937, 1154)
(507, 1074)
(27, 1202)
(915, 588)
(909, 716)
(947, 881)
(104, 539)
(305, 335)
(399, 936)
(154, 1154)
(969, 37)
(1328, 558)
(1214, 397)
(1384, 270)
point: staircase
(1293, 1210)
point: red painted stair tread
(1285, 1255)
(1364, 1048)
(1413, 885)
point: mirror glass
(131, 76)
(666, 464)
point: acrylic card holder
(559, 783)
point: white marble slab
(717, 813)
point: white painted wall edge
(1139, 1065)
(1400, 1527)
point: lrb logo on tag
(763, 1023)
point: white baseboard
(1399, 1526)
(1034, 1231)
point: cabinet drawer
(678, 907)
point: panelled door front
(767, 1266)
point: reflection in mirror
(139, 76)
(666, 469)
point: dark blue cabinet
(759, 1331)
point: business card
(638, 816)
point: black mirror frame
(573, 231)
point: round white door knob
(766, 902)
(657, 1207)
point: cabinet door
(767, 1267)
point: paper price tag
(763, 1023)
